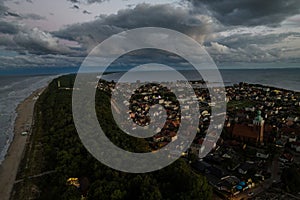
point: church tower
(258, 124)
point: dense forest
(63, 152)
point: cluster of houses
(279, 112)
(231, 169)
(256, 116)
(139, 100)
(266, 115)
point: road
(35, 176)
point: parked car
(250, 194)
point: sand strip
(9, 167)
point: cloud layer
(248, 12)
(87, 1)
(143, 15)
(248, 31)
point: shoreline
(10, 165)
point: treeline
(64, 152)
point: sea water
(13, 90)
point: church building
(250, 132)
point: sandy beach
(9, 167)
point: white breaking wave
(13, 90)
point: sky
(236, 33)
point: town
(258, 153)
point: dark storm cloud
(32, 60)
(8, 27)
(95, 1)
(86, 12)
(7, 13)
(38, 42)
(3, 8)
(75, 7)
(35, 41)
(241, 40)
(249, 53)
(7, 41)
(210, 22)
(87, 1)
(248, 12)
(251, 48)
(130, 5)
(32, 16)
(17, 37)
(5, 26)
(159, 15)
(243, 46)
(143, 15)
(88, 34)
